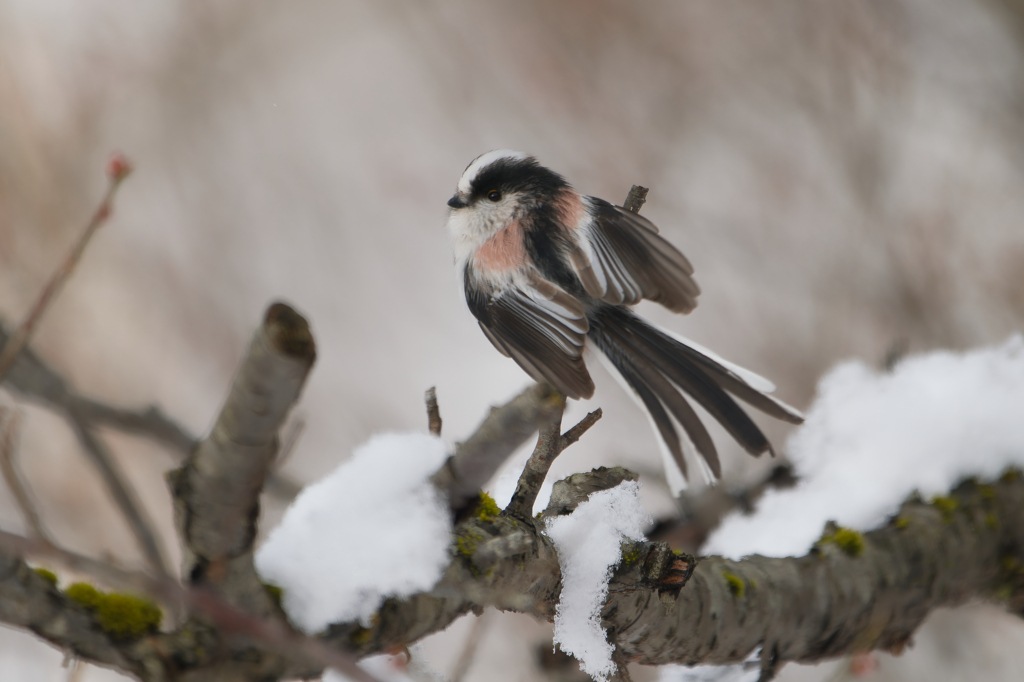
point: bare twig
(549, 445)
(505, 429)
(476, 634)
(433, 411)
(8, 453)
(75, 670)
(30, 377)
(122, 493)
(118, 169)
(151, 422)
(636, 198)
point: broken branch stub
(217, 490)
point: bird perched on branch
(545, 268)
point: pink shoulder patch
(570, 209)
(504, 251)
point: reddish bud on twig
(118, 167)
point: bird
(551, 276)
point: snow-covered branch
(854, 592)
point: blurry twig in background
(118, 169)
(433, 411)
(122, 492)
(473, 639)
(30, 377)
(11, 426)
(75, 670)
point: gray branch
(33, 379)
(216, 492)
(854, 592)
(505, 429)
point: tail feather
(657, 411)
(660, 368)
(653, 375)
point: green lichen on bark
(50, 576)
(737, 587)
(122, 616)
(851, 542)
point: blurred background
(845, 177)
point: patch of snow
(588, 546)
(871, 438)
(373, 528)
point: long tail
(661, 369)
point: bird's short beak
(457, 202)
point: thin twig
(549, 445)
(473, 639)
(75, 670)
(433, 411)
(151, 422)
(118, 169)
(122, 493)
(229, 619)
(636, 198)
(501, 433)
(8, 452)
(32, 378)
(576, 432)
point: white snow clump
(374, 527)
(587, 542)
(871, 438)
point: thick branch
(852, 593)
(192, 652)
(217, 492)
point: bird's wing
(539, 326)
(621, 259)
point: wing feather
(628, 260)
(538, 325)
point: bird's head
(495, 189)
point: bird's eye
(494, 195)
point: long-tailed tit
(545, 268)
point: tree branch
(121, 492)
(636, 198)
(854, 592)
(32, 378)
(118, 169)
(433, 411)
(549, 445)
(216, 492)
(11, 427)
(30, 600)
(505, 429)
